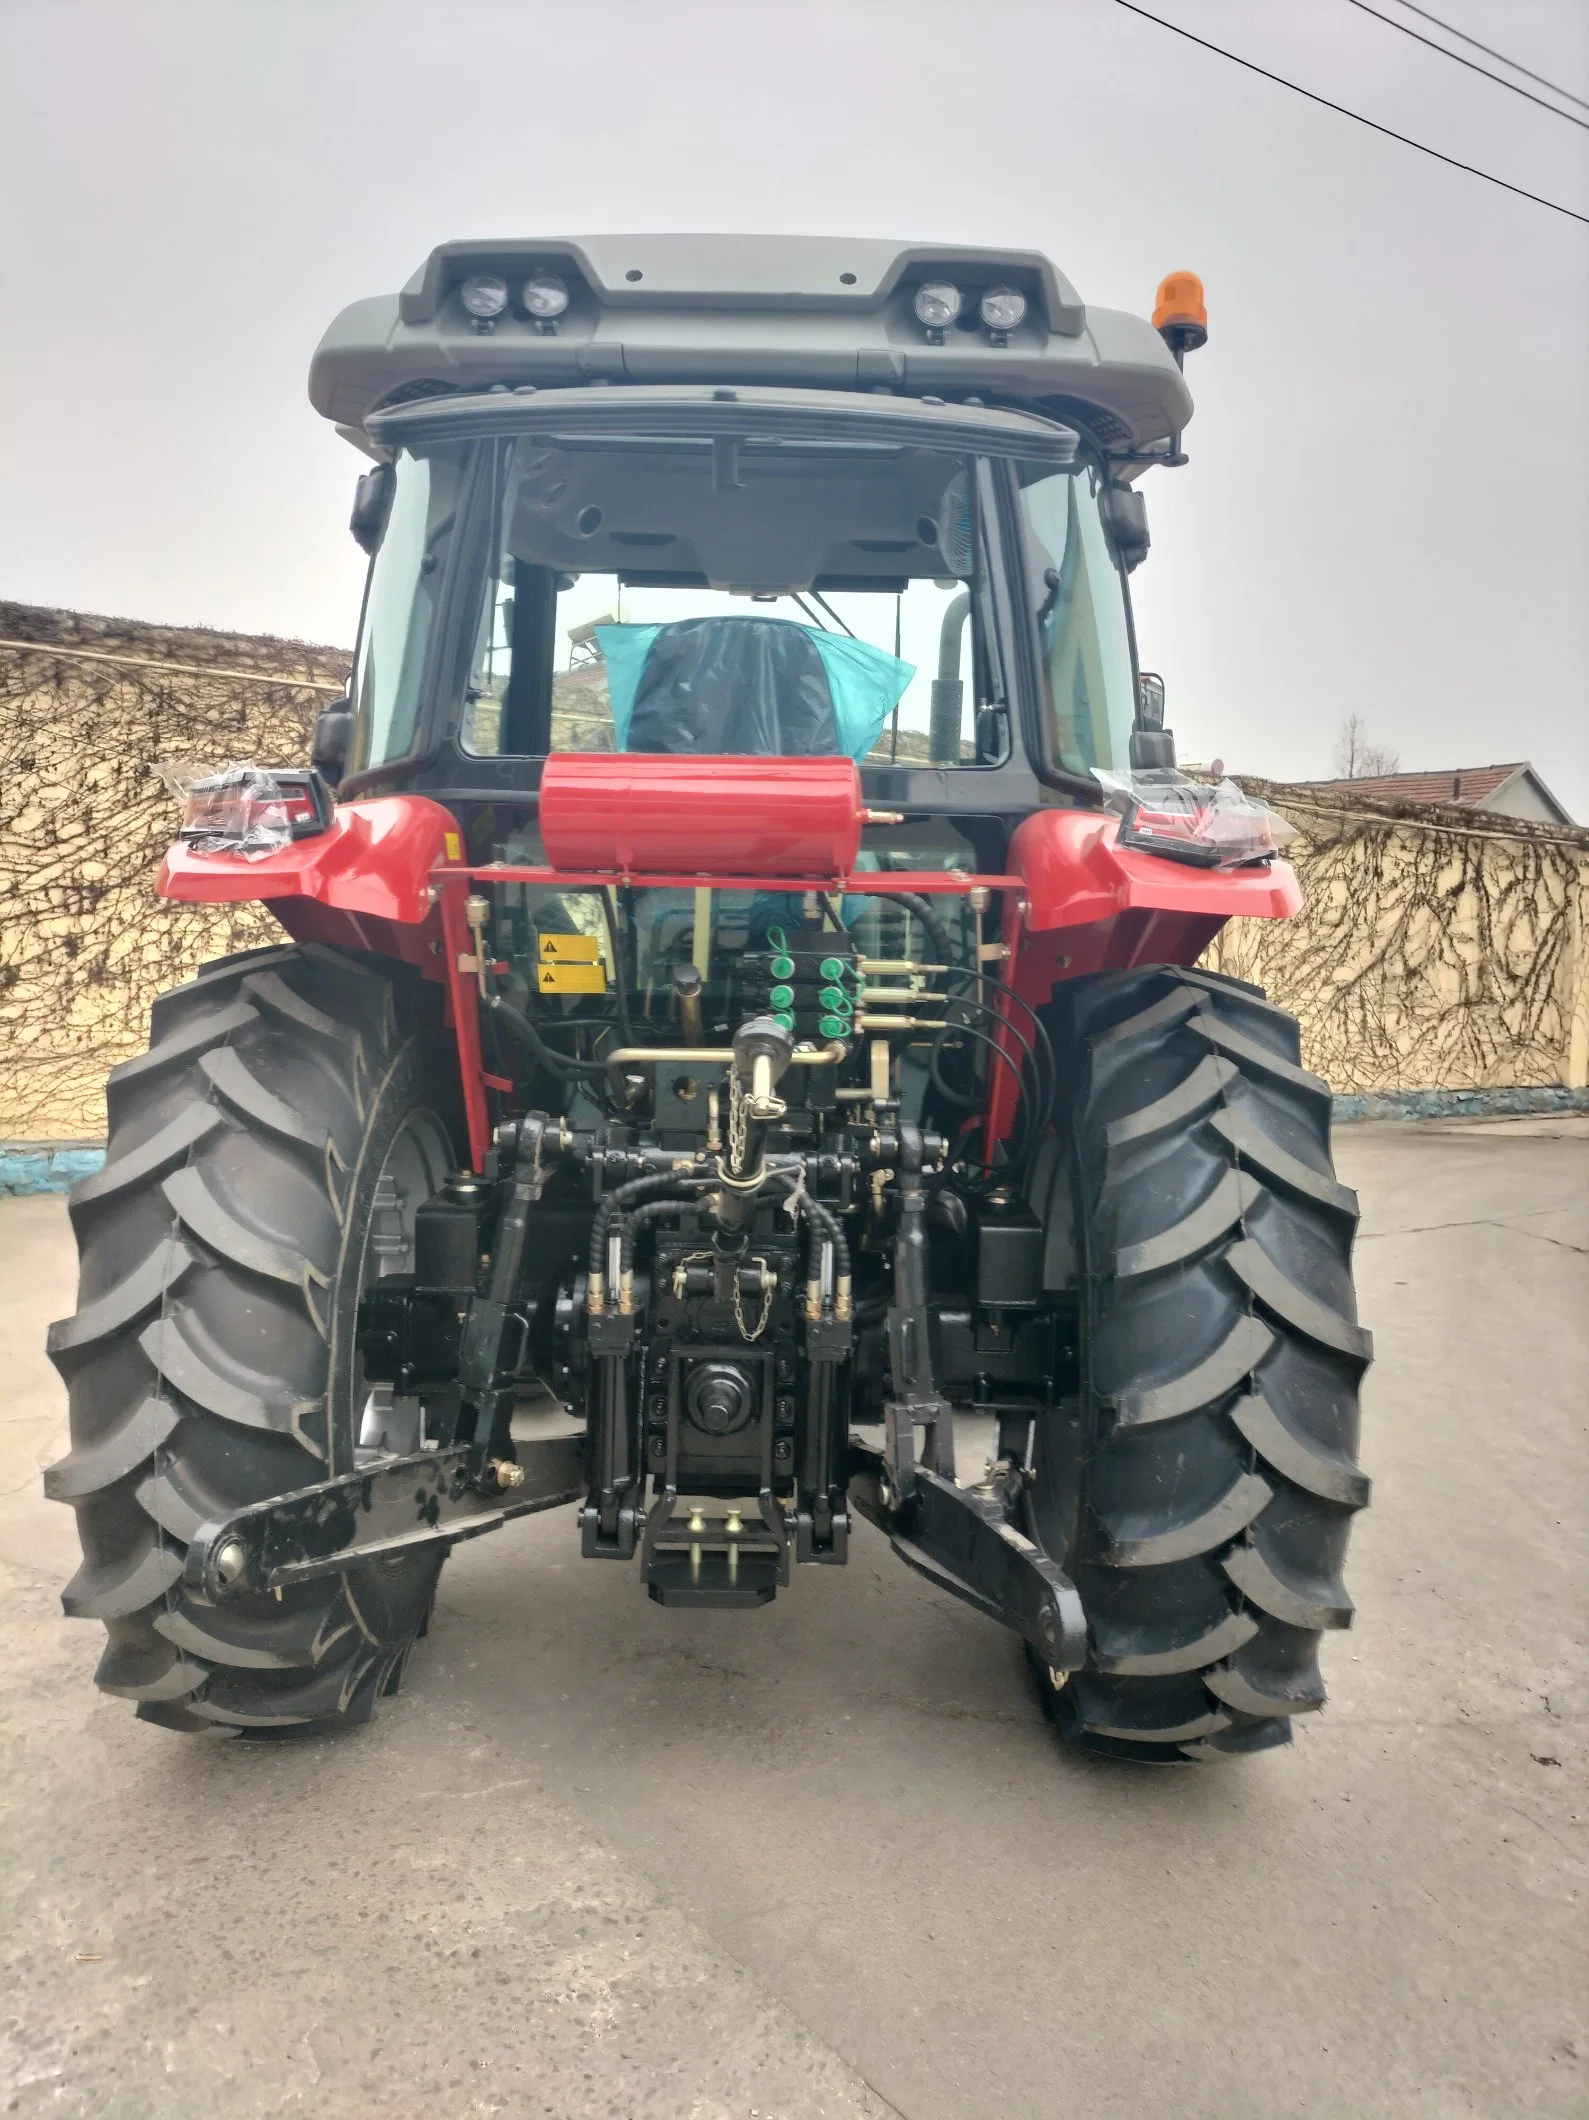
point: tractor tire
(1201, 1485)
(265, 1159)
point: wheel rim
(416, 1165)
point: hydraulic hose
(937, 933)
(556, 1063)
(823, 1222)
(631, 1224)
(969, 1030)
(1008, 993)
(624, 1196)
(1028, 1122)
(1036, 1052)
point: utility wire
(1490, 52)
(1472, 64)
(1340, 108)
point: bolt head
(231, 1563)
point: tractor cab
(896, 527)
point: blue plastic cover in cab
(748, 687)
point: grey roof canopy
(796, 311)
(691, 410)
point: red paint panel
(463, 994)
(1076, 874)
(375, 860)
(672, 816)
(1091, 905)
(307, 920)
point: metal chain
(769, 1288)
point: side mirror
(1152, 745)
(372, 504)
(332, 740)
(1125, 515)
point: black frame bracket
(382, 1512)
(965, 1542)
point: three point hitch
(462, 1350)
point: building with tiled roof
(1503, 791)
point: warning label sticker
(571, 978)
(570, 949)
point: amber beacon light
(1179, 314)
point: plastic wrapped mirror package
(1213, 827)
(245, 809)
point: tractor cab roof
(813, 312)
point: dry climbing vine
(85, 945)
(1433, 949)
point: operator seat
(732, 686)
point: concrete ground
(827, 1859)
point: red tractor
(737, 1022)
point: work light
(937, 304)
(484, 295)
(1002, 308)
(545, 296)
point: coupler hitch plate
(965, 1543)
(378, 1513)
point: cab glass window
(1083, 632)
(400, 607)
(791, 598)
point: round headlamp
(1002, 308)
(937, 304)
(484, 295)
(545, 296)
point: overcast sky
(1387, 508)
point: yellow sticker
(454, 846)
(569, 949)
(571, 978)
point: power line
(1472, 64)
(1490, 52)
(1340, 108)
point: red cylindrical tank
(642, 812)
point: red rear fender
(375, 861)
(1076, 873)
(1092, 905)
(367, 884)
